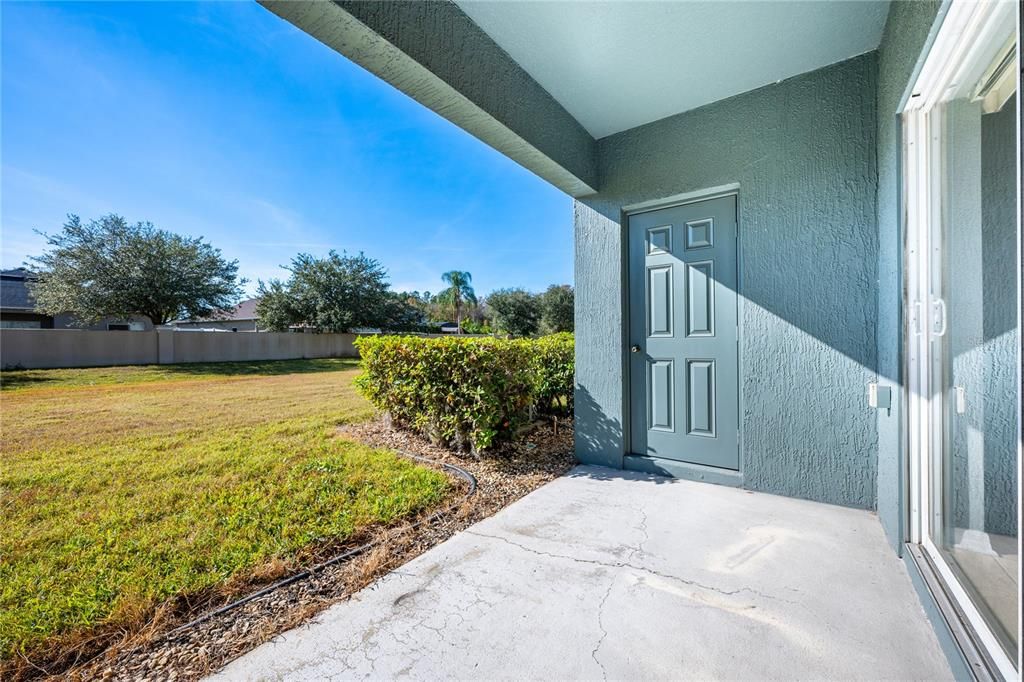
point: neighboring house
(133, 324)
(241, 318)
(796, 248)
(17, 309)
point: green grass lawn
(121, 488)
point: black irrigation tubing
(338, 558)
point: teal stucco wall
(803, 154)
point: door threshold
(683, 470)
(973, 653)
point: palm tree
(459, 291)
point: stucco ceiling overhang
(616, 65)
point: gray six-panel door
(683, 338)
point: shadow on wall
(803, 154)
(595, 433)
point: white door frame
(964, 40)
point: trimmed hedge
(556, 372)
(466, 393)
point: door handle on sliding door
(939, 317)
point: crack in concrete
(627, 564)
(643, 529)
(600, 625)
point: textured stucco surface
(803, 153)
(600, 401)
(434, 53)
(906, 32)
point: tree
(338, 293)
(558, 309)
(409, 312)
(108, 268)
(516, 311)
(459, 291)
(472, 326)
(275, 309)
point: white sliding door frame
(968, 38)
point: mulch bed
(541, 455)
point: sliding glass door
(974, 495)
(963, 314)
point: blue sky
(221, 120)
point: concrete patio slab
(619, 575)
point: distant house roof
(14, 293)
(246, 310)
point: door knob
(634, 348)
